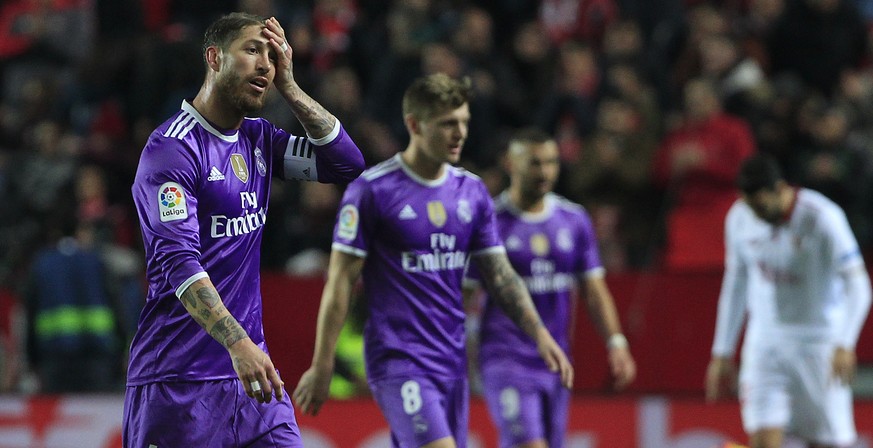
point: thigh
(267, 425)
(211, 413)
(517, 409)
(557, 410)
(822, 410)
(764, 398)
(179, 414)
(420, 410)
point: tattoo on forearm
(227, 331)
(315, 119)
(508, 289)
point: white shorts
(792, 387)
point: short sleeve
(356, 220)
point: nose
(264, 64)
(460, 131)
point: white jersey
(789, 276)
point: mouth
(260, 84)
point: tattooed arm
(251, 364)
(317, 121)
(506, 287)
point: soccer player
(794, 266)
(408, 226)
(200, 374)
(550, 242)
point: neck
(527, 204)
(422, 165)
(787, 198)
(216, 109)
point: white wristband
(616, 341)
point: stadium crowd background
(653, 103)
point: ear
(213, 57)
(504, 159)
(412, 124)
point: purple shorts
(208, 414)
(527, 409)
(422, 409)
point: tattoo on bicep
(227, 331)
(509, 290)
(209, 297)
(314, 118)
(188, 299)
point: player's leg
(764, 397)
(445, 442)
(556, 413)
(266, 425)
(416, 411)
(822, 406)
(179, 414)
(516, 408)
(767, 438)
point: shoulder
(818, 207)
(567, 206)
(465, 180)
(379, 172)
(255, 126)
(739, 214)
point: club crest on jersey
(259, 161)
(171, 202)
(240, 169)
(465, 212)
(539, 244)
(347, 225)
(436, 213)
(564, 240)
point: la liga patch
(347, 228)
(171, 202)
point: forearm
(858, 297)
(331, 316)
(203, 303)
(508, 290)
(731, 311)
(343, 272)
(601, 308)
(316, 120)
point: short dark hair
(530, 135)
(434, 94)
(758, 172)
(227, 28)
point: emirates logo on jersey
(240, 169)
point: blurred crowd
(653, 103)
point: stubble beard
(232, 87)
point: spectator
(696, 165)
(73, 341)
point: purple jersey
(416, 235)
(549, 250)
(201, 195)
